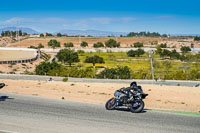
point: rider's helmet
(133, 84)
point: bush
(112, 43)
(165, 52)
(59, 35)
(40, 46)
(73, 72)
(32, 47)
(115, 73)
(44, 68)
(174, 55)
(84, 44)
(138, 45)
(69, 44)
(98, 45)
(163, 45)
(133, 53)
(65, 79)
(185, 49)
(55, 69)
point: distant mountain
(91, 33)
(185, 34)
(27, 30)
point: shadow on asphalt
(4, 98)
(128, 110)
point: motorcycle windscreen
(118, 94)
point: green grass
(179, 112)
(115, 59)
(135, 63)
(139, 64)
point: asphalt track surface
(33, 114)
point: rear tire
(137, 106)
(110, 104)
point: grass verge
(179, 112)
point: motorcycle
(131, 97)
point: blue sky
(171, 16)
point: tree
(67, 56)
(146, 34)
(49, 34)
(185, 49)
(41, 35)
(165, 52)
(40, 46)
(44, 68)
(24, 33)
(138, 45)
(197, 38)
(69, 44)
(133, 53)
(112, 43)
(84, 44)
(53, 43)
(158, 50)
(139, 52)
(98, 45)
(116, 73)
(163, 45)
(94, 59)
(174, 55)
(59, 35)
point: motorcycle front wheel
(110, 104)
(137, 106)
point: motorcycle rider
(130, 91)
(133, 87)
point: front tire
(137, 106)
(110, 104)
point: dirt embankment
(160, 97)
(124, 41)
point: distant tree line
(13, 33)
(111, 43)
(197, 38)
(146, 34)
(173, 54)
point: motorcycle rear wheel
(110, 104)
(137, 106)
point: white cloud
(127, 19)
(102, 20)
(14, 20)
(58, 23)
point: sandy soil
(19, 67)
(125, 41)
(160, 97)
(7, 55)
